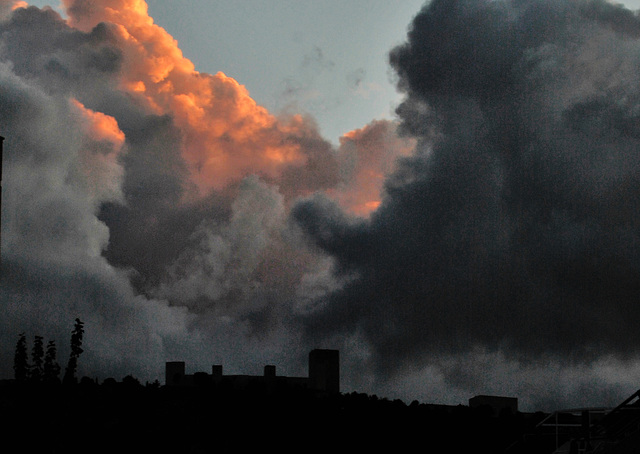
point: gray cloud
(52, 270)
(102, 219)
(504, 254)
(514, 226)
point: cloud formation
(513, 229)
(152, 200)
(487, 242)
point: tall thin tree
(51, 366)
(37, 356)
(76, 350)
(21, 360)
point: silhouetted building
(1, 144)
(496, 403)
(324, 370)
(174, 373)
(324, 375)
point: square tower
(324, 370)
(174, 373)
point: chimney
(269, 371)
(216, 373)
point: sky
(447, 193)
(300, 56)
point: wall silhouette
(324, 375)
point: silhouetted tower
(324, 370)
(269, 371)
(1, 142)
(174, 373)
(216, 373)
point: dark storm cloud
(148, 231)
(514, 227)
(155, 202)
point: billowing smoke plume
(152, 200)
(513, 233)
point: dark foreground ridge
(128, 417)
(118, 417)
(213, 412)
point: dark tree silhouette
(76, 350)
(131, 382)
(51, 367)
(20, 360)
(37, 356)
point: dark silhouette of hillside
(203, 412)
(126, 416)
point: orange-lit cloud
(98, 159)
(367, 157)
(226, 134)
(19, 4)
(100, 126)
(8, 6)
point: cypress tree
(76, 350)
(51, 366)
(20, 360)
(37, 355)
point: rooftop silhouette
(324, 375)
(199, 411)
